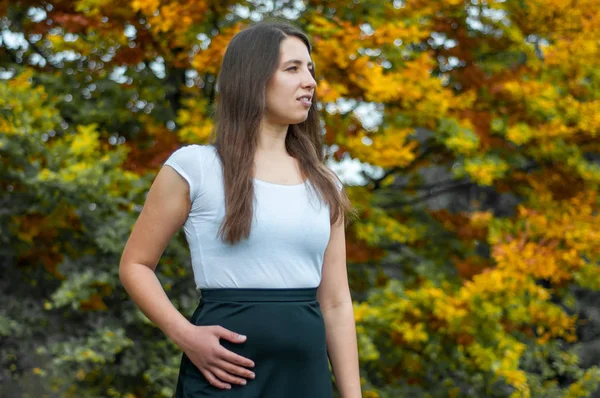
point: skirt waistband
(262, 295)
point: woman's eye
(292, 68)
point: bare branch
(434, 193)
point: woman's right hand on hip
(220, 366)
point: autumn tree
(474, 260)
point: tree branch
(435, 192)
(18, 22)
(377, 182)
(433, 185)
(40, 53)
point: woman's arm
(165, 210)
(336, 306)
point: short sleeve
(186, 161)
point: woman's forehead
(292, 48)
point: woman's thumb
(229, 335)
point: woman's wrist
(178, 331)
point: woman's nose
(309, 80)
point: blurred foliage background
(474, 130)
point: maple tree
(475, 249)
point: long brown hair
(250, 60)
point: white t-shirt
(289, 232)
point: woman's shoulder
(193, 153)
(194, 162)
(196, 149)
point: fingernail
(243, 382)
(252, 375)
(241, 337)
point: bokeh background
(467, 132)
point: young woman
(264, 219)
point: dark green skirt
(285, 339)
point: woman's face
(289, 91)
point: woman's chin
(287, 119)
(299, 119)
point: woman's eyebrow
(297, 62)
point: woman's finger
(228, 335)
(226, 377)
(213, 380)
(235, 370)
(229, 356)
